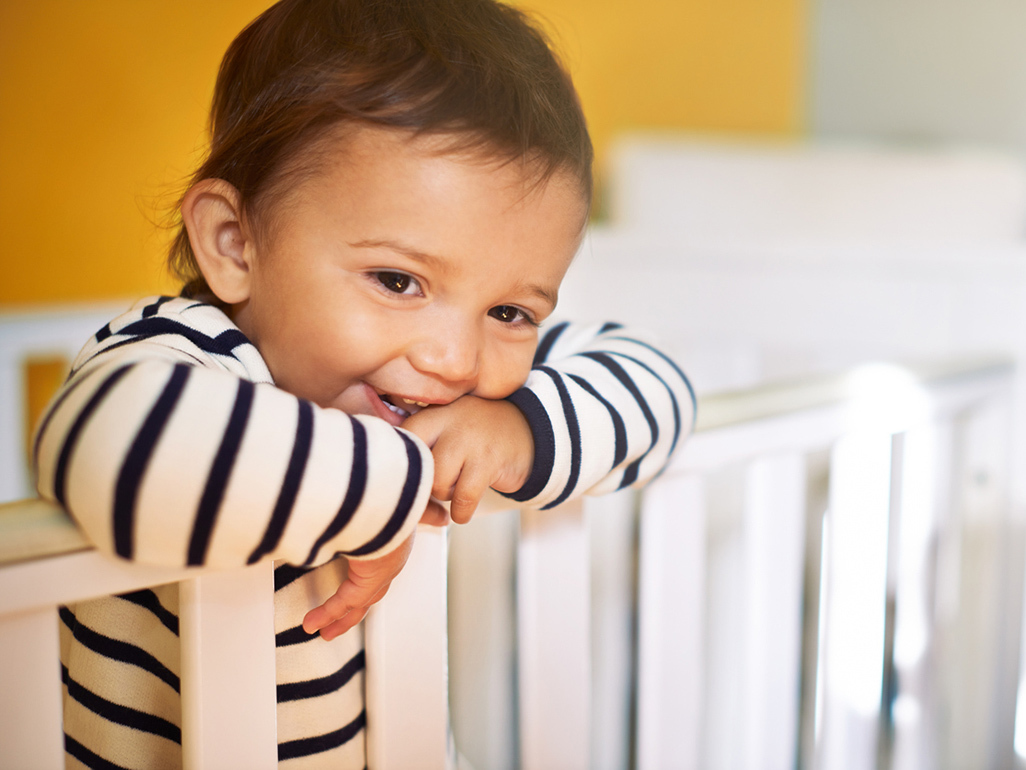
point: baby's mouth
(408, 407)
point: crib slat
(228, 679)
(856, 591)
(51, 331)
(30, 691)
(554, 637)
(407, 680)
(13, 473)
(773, 543)
(671, 618)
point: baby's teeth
(421, 404)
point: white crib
(828, 576)
(776, 603)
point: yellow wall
(102, 111)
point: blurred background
(785, 188)
(104, 107)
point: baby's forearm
(167, 463)
(606, 410)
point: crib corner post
(229, 705)
(30, 691)
(407, 648)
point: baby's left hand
(366, 583)
(476, 443)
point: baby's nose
(449, 351)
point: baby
(393, 194)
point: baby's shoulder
(178, 328)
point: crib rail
(52, 332)
(912, 459)
(915, 451)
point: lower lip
(379, 409)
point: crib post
(773, 545)
(407, 680)
(554, 636)
(671, 624)
(856, 588)
(13, 482)
(229, 710)
(31, 735)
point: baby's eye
(398, 283)
(510, 314)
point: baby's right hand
(477, 443)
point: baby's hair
(477, 70)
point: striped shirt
(169, 444)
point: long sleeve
(169, 444)
(606, 408)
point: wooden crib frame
(875, 425)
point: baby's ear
(212, 213)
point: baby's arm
(602, 409)
(164, 454)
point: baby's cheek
(504, 377)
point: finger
(435, 515)
(349, 613)
(448, 467)
(316, 619)
(427, 425)
(321, 617)
(338, 605)
(467, 494)
(339, 627)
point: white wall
(920, 70)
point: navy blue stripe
(115, 649)
(305, 747)
(286, 574)
(147, 599)
(574, 429)
(669, 390)
(619, 429)
(71, 440)
(546, 343)
(610, 326)
(314, 688)
(354, 493)
(103, 333)
(122, 715)
(631, 473)
(291, 636)
(402, 508)
(220, 472)
(223, 344)
(130, 478)
(44, 424)
(86, 757)
(673, 364)
(544, 444)
(151, 309)
(290, 485)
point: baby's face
(398, 277)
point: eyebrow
(418, 256)
(442, 265)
